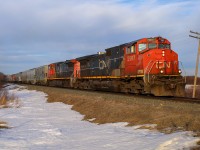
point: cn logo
(162, 65)
(102, 64)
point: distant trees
(2, 77)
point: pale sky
(38, 32)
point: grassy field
(109, 108)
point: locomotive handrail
(72, 75)
(146, 71)
(151, 69)
(183, 70)
(148, 68)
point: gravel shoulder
(102, 107)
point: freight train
(144, 66)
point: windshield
(152, 45)
(142, 46)
(164, 46)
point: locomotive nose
(160, 54)
(163, 53)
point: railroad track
(175, 99)
(185, 99)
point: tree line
(2, 77)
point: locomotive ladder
(72, 79)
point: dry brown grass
(196, 147)
(3, 97)
(3, 125)
(136, 114)
(2, 102)
(7, 101)
(109, 108)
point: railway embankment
(102, 107)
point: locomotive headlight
(179, 71)
(163, 53)
(161, 71)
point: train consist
(144, 66)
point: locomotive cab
(158, 57)
(155, 61)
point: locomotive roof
(57, 62)
(86, 57)
(122, 45)
(130, 43)
(67, 61)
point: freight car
(144, 66)
(24, 77)
(41, 75)
(18, 77)
(31, 76)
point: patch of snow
(40, 125)
(92, 119)
(191, 86)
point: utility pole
(197, 36)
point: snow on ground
(40, 125)
(191, 86)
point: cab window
(130, 49)
(152, 45)
(164, 46)
(142, 47)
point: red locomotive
(144, 66)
